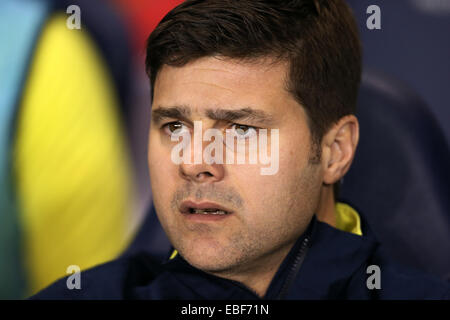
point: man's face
(266, 213)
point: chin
(207, 257)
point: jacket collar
(332, 260)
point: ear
(338, 148)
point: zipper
(295, 268)
(293, 271)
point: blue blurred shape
(20, 22)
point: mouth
(204, 209)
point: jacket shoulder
(112, 280)
(341, 265)
(385, 279)
(402, 282)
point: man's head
(293, 66)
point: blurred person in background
(66, 176)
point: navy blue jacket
(325, 263)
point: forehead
(219, 82)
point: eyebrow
(229, 115)
(177, 112)
(243, 114)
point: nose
(198, 169)
(203, 172)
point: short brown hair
(319, 39)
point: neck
(258, 279)
(326, 211)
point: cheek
(159, 161)
(267, 191)
(162, 173)
(289, 195)
(262, 194)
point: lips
(204, 208)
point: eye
(243, 131)
(175, 128)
